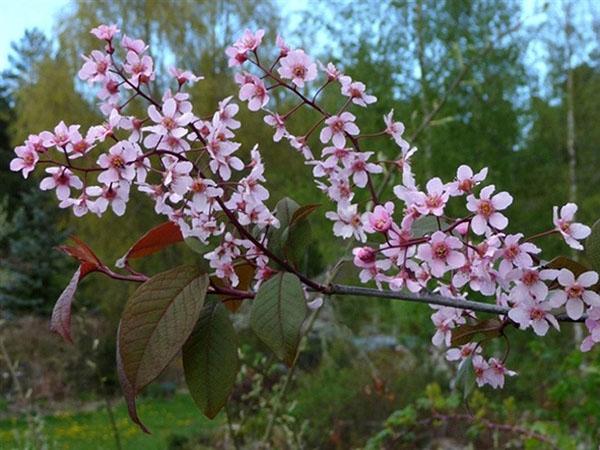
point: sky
(18, 15)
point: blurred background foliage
(503, 85)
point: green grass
(91, 430)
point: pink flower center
(485, 208)
(440, 250)
(80, 147)
(299, 71)
(355, 93)
(434, 201)
(511, 252)
(574, 291)
(565, 226)
(466, 185)
(530, 277)
(101, 66)
(537, 314)
(117, 162)
(358, 166)
(337, 126)
(169, 123)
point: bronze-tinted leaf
(483, 329)
(60, 321)
(210, 359)
(156, 239)
(277, 314)
(157, 320)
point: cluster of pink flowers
(188, 166)
(160, 154)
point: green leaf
(464, 334)
(425, 225)
(592, 247)
(465, 377)
(562, 262)
(277, 314)
(210, 359)
(284, 210)
(303, 212)
(157, 320)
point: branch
(431, 299)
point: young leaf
(210, 359)
(284, 210)
(485, 328)
(303, 212)
(245, 272)
(465, 377)
(277, 314)
(157, 320)
(127, 389)
(60, 322)
(156, 239)
(82, 253)
(562, 262)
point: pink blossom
(592, 323)
(406, 277)
(169, 122)
(529, 282)
(444, 320)
(284, 49)
(184, 76)
(359, 168)
(486, 210)
(571, 231)
(255, 93)
(62, 135)
(462, 353)
(466, 180)
(380, 220)
(364, 257)
(25, 161)
(133, 45)
(332, 72)
(249, 40)
(227, 112)
(176, 177)
(356, 91)
(95, 67)
(528, 312)
(236, 56)
(395, 130)
(277, 122)
(514, 254)
(222, 158)
(117, 163)
(434, 201)
(298, 67)
(105, 32)
(61, 179)
(348, 222)
(204, 191)
(336, 128)
(115, 195)
(441, 253)
(496, 372)
(140, 68)
(574, 292)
